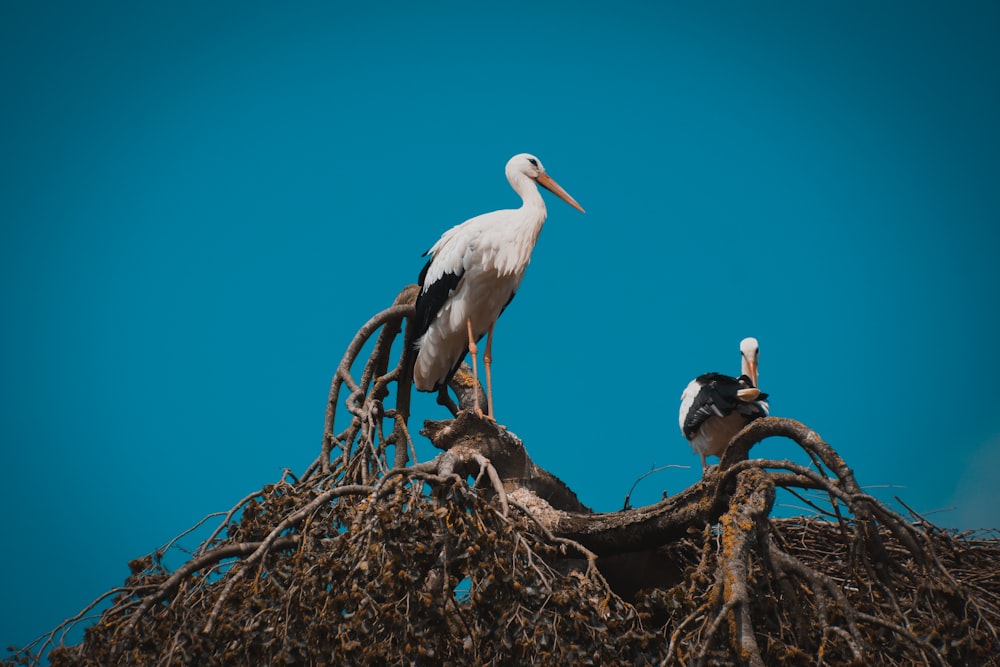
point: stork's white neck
(521, 226)
(528, 189)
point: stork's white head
(749, 354)
(526, 164)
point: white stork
(474, 270)
(714, 407)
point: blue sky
(201, 202)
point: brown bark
(479, 555)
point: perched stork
(714, 407)
(474, 270)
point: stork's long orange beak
(752, 367)
(546, 182)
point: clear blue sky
(201, 202)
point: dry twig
(364, 559)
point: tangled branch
(479, 555)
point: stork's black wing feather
(712, 400)
(758, 407)
(431, 298)
(429, 303)
(718, 398)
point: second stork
(715, 407)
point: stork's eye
(533, 161)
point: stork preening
(714, 407)
(474, 270)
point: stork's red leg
(487, 360)
(475, 370)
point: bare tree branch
(480, 555)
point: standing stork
(714, 407)
(474, 270)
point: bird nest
(478, 556)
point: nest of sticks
(479, 556)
